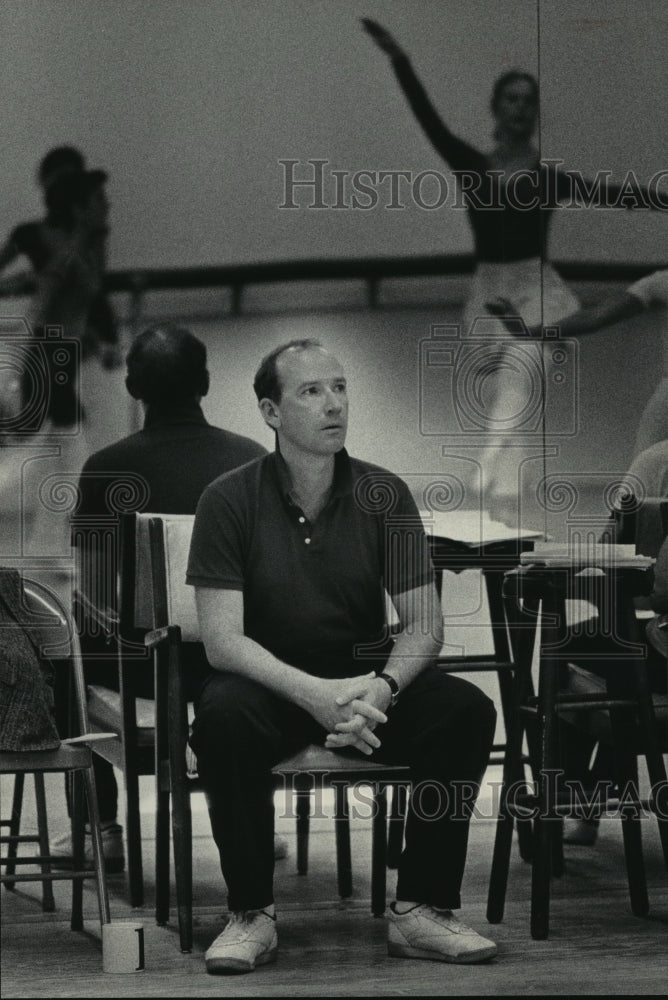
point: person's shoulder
(239, 481)
(127, 455)
(361, 467)
(652, 289)
(107, 457)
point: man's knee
(476, 716)
(229, 716)
(485, 712)
(456, 698)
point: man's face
(313, 411)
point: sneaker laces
(443, 916)
(243, 920)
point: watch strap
(393, 686)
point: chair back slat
(138, 551)
(173, 600)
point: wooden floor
(596, 946)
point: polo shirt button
(302, 520)
(307, 541)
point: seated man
(165, 467)
(289, 559)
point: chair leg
(303, 809)
(48, 902)
(379, 851)
(78, 858)
(15, 826)
(183, 858)
(513, 776)
(162, 873)
(133, 832)
(522, 626)
(627, 625)
(395, 839)
(635, 867)
(98, 853)
(546, 816)
(656, 767)
(525, 839)
(626, 777)
(540, 876)
(557, 848)
(344, 865)
(503, 842)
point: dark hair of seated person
(166, 366)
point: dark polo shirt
(313, 592)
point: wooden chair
(631, 727)
(121, 611)
(73, 758)
(176, 623)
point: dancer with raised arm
(510, 195)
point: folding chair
(73, 758)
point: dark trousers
(442, 727)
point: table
(463, 540)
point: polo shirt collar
(343, 475)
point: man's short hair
(267, 384)
(167, 364)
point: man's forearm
(409, 657)
(242, 655)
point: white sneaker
(424, 932)
(249, 939)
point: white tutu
(519, 422)
(533, 286)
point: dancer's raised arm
(457, 153)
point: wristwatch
(393, 686)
